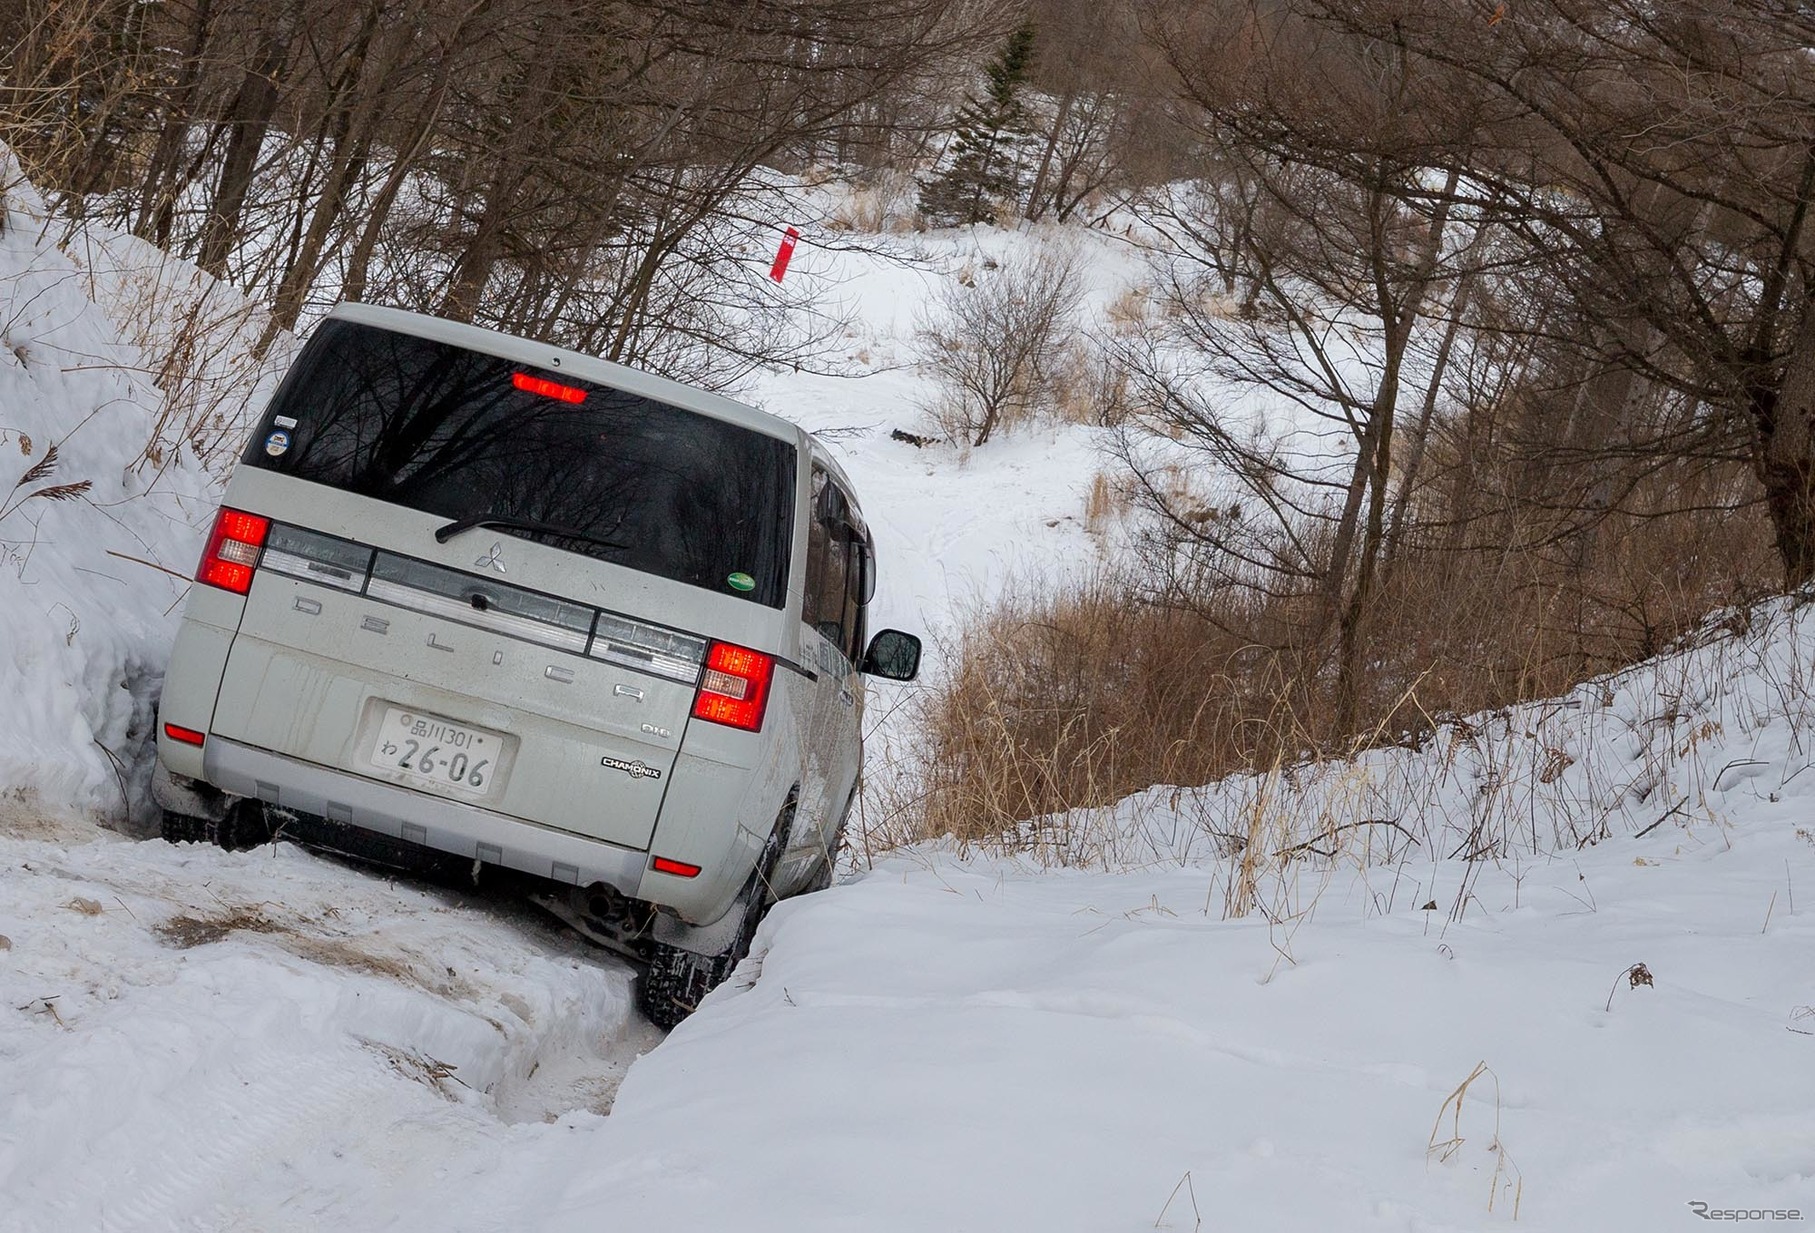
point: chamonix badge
(636, 770)
(493, 559)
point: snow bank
(197, 1040)
(96, 538)
(974, 1045)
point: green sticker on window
(741, 581)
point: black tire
(181, 828)
(675, 981)
(242, 827)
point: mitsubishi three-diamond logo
(493, 559)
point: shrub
(996, 341)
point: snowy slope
(191, 1040)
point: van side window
(837, 566)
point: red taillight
(232, 551)
(680, 869)
(735, 687)
(188, 736)
(546, 388)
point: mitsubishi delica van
(479, 599)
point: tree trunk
(467, 286)
(1052, 143)
(249, 119)
(1349, 668)
(1783, 455)
(1398, 318)
(348, 157)
(287, 304)
(1427, 412)
(159, 195)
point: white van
(478, 598)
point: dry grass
(886, 200)
(1507, 1183)
(1104, 504)
(313, 941)
(1128, 313)
(418, 1067)
(1063, 702)
(1089, 385)
(1059, 702)
(198, 339)
(186, 931)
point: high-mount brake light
(680, 869)
(547, 388)
(188, 736)
(232, 551)
(734, 689)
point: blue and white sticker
(277, 443)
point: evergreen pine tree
(989, 134)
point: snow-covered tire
(675, 980)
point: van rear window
(460, 434)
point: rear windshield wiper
(462, 525)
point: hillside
(1155, 1015)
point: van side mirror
(893, 655)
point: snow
(218, 1041)
(940, 1043)
(85, 604)
(1079, 1036)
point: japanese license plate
(434, 751)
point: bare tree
(1340, 235)
(992, 344)
(1659, 165)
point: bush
(997, 340)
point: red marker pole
(784, 254)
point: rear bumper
(453, 827)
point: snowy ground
(192, 1040)
(195, 1040)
